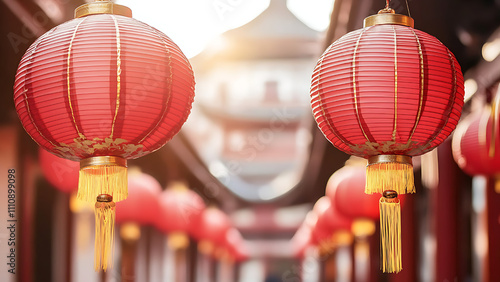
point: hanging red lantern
(387, 92)
(236, 245)
(87, 90)
(141, 205)
(180, 211)
(328, 223)
(211, 230)
(301, 240)
(61, 173)
(345, 189)
(476, 142)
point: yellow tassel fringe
(104, 235)
(390, 235)
(389, 176)
(102, 179)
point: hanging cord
(408, 9)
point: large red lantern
(100, 89)
(476, 142)
(180, 212)
(61, 173)
(387, 92)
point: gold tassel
(104, 232)
(390, 232)
(103, 175)
(393, 172)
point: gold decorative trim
(118, 75)
(394, 131)
(401, 159)
(103, 160)
(422, 84)
(354, 85)
(388, 19)
(68, 80)
(102, 7)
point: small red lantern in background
(180, 211)
(61, 173)
(345, 189)
(211, 230)
(328, 225)
(387, 92)
(101, 89)
(476, 142)
(141, 205)
(236, 245)
(301, 240)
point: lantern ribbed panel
(180, 211)
(141, 205)
(345, 189)
(61, 173)
(387, 89)
(471, 145)
(103, 85)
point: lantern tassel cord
(102, 178)
(383, 176)
(390, 233)
(104, 233)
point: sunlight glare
(314, 13)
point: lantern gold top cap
(102, 7)
(388, 16)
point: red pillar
(445, 220)
(493, 220)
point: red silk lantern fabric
(328, 220)
(387, 89)
(345, 189)
(103, 85)
(212, 226)
(180, 210)
(141, 205)
(60, 173)
(471, 144)
(236, 245)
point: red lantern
(301, 240)
(141, 205)
(211, 229)
(236, 245)
(345, 189)
(328, 221)
(387, 92)
(101, 89)
(476, 143)
(180, 211)
(61, 173)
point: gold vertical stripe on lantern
(390, 234)
(394, 172)
(104, 232)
